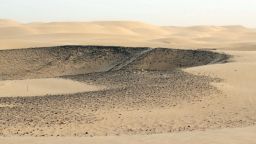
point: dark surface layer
(73, 60)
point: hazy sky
(161, 12)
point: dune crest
(123, 33)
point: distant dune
(123, 33)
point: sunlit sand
(43, 87)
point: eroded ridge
(73, 60)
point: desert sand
(124, 33)
(223, 136)
(41, 87)
(138, 95)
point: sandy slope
(124, 33)
(239, 85)
(239, 78)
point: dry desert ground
(126, 82)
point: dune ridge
(123, 33)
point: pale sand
(124, 33)
(43, 87)
(239, 77)
(239, 85)
(223, 136)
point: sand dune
(123, 33)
